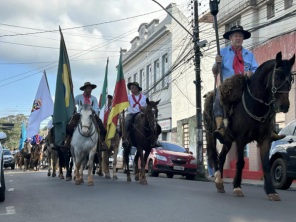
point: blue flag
(23, 136)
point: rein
(91, 129)
(274, 90)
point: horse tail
(209, 124)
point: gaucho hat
(134, 84)
(93, 86)
(237, 28)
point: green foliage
(13, 136)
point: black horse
(251, 118)
(143, 136)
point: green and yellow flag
(120, 103)
(64, 105)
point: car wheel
(2, 188)
(170, 175)
(279, 175)
(190, 177)
(151, 172)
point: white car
(119, 164)
(2, 181)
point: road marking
(10, 180)
(10, 189)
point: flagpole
(69, 68)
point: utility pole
(197, 82)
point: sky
(93, 31)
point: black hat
(237, 28)
(110, 97)
(135, 84)
(93, 86)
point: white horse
(84, 144)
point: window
(186, 135)
(270, 9)
(129, 79)
(136, 78)
(288, 3)
(142, 79)
(165, 68)
(149, 79)
(156, 75)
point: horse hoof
(100, 174)
(90, 183)
(107, 177)
(53, 175)
(68, 178)
(274, 197)
(143, 181)
(48, 174)
(115, 177)
(129, 179)
(61, 177)
(220, 187)
(137, 178)
(81, 180)
(238, 192)
(77, 182)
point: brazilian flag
(64, 105)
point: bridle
(91, 128)
(274, 90)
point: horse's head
(280, 82)
(151, 112)
(86, 120)
(27, 147)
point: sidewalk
(251, 182)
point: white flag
(42, 108)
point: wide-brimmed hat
(134, 84)
(237, 28)
(93, 86)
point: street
(32, 196)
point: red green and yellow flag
(120, 103)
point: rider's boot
(219, 133)
(275, 136)
(67, 143)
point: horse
(144, 137)
(26, 154)
(251, 118)
(36, 155)
(104, 160)
(84, 144)
(52, 154)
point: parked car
(2, 180)
(171, 159)
(282, 158)
(8, 159)
(120, 165)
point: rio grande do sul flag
(41, 109)
(120, 103)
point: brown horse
(252, 119)
(143, 136)
(104, 157)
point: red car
(171, 158)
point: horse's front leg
(126, 153)
(136, 169)
(143, 159)
(219, 173)
(115, 162)
(105, 158)
(99, 170)
(240, 163)
(90, 166)
(77, 171)
(268, 185)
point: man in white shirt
(137, 101)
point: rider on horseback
(137, 101)
(86, 98)
(234, 59)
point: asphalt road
(32, 196)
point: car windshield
(6, 152)
(172, 147)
